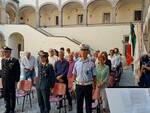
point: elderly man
(52, 58)
(85, 78)
(10, 77)
(29, 64)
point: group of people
(90, 72)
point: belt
(84, 83)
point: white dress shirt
(28, 63)
(117, 60)
(113, 60)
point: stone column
(113, 3)
(113, 16)
(17, 13)
(3, 12)
(85, 13)
(60, 16)
(37, 14)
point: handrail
(44, 32)
(38, 30)
(73, 40)
(60, 36)
(51, 35)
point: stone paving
(127, 79)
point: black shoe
(70, 108)
(7, 112)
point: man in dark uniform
(10, 77)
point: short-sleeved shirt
(84, 70)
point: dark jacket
(46, 77)
(10, 72)
(61, 68)
(108, 63)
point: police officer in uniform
(10, 77)
(45, 82)
(85, 79)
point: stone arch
(125, 10)
(72, 13)
(99, 11)
(16, 42)
(49, 15)
(27, 15)
(11, 11)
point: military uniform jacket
(10, 71)
(46, 77)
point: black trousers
(9, 95)
(43, 100)
(84, 92)
(145, 80)
(69, 98)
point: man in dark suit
(61, 71)
(10, 77)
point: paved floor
(127, 79)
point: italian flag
(131, 46)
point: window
(80, 19)
(137, 15)
(19, 49)
(126, 40)
(57, 20)
(106, 18)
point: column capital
(113, 2)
